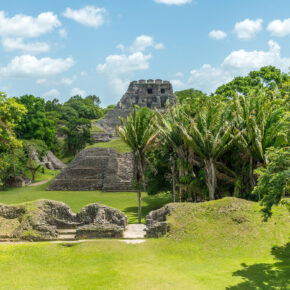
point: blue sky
(61, 48)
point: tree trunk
(210, 177)
(139, 206)
(173, 181)
(33, 173)
(251, 175)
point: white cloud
(123, 64)
(179, 74)
(118, 68)
(237, 63)
(177, 84)
(11, 44)
(62, 33)
(208, 78)
(247, 28)
(144, 41)
(83, 73)
(279, 28)
(30, 66)
(243, 61)
(173, 2)
(88, 15)
(26, 26)
(68, 81)
(53, 93)
(217, 34)
(159, 46)
(77, 91)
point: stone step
(135, 231)
(66, 231)
(66, 237)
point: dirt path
(39, 182)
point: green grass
(218, 245)
(95, 128)
(116, 144)
(48, 174)
(127, 202)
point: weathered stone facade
(152, 94)
(45, 219)
(96, 169)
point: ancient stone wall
(43, 219)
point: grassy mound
(227, 222)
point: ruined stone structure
(51, 220)
(96, 169)
(152, 94)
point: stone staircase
(66, 234)
(96, 169)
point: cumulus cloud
(279, 28)
(77, 91)
(173, 2)
(217, 34)
(240, 62)
(177, 84)
(68, 81)
(248, 28)
(119, 68)
(144, 41)
(88, 15)
(26, 26)
(10, 44)
(53, 93)
(26, 66)
(243, 61)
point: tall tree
(139, 133)
(209, 136)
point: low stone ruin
(97, 169)
(43, 219)
(156, 221)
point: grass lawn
(116, 144)
(217, 245)
(127, 202)
(48, 174)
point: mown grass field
(218, 245)
(124, 201)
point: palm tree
(209, 136)
(261, 123)
(139, 133)
(170, 134)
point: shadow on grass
(149, 203)
(267, 276)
